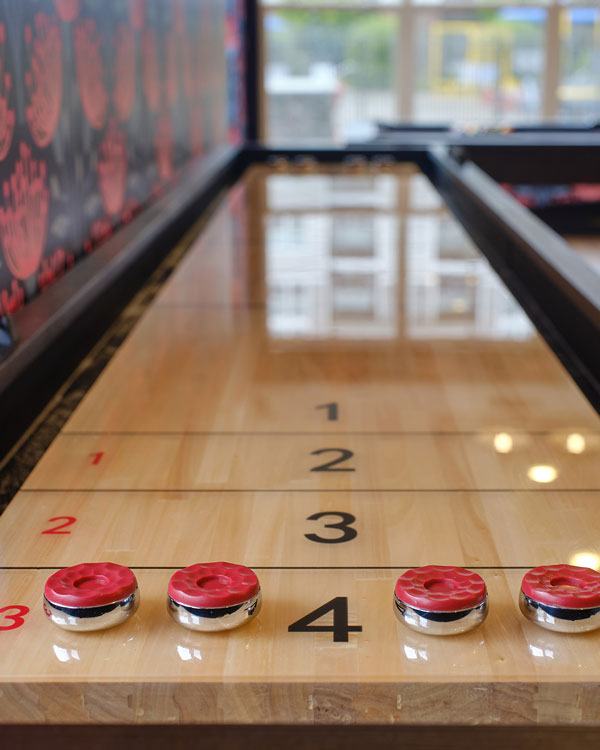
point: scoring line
(319, 490)
(282, 567)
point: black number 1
(340, 627)
(332, 410)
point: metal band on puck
(215, 618)
(440, 599)
(92, 618)
(213, 596)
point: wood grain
(198, 442)
(473, 529)
(507, 671)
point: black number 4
(340, 627)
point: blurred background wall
(103, 105)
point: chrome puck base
(83, 619)
(219, 618)
(559, 619)
(440, 623)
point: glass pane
(332, 3)
(479, 66)
(328, 73)
(579, 89)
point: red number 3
(17, 619)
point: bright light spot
(542, 474)
(187, 654)
(415, 654)
(547, 653)
(62, 654)
(575, 443)
(503, 442)
(586, 560)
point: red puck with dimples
(213, 596)
(91, 596)
(441, 599)
(565, 598)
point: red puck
(218, 584)
(90, 585)
(441, 588)
(567, 586)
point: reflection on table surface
(367, 256)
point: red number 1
(17, 619)
(97, 458)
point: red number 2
(17, 620)
(69, 520)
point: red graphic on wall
(196, 129)
(151, 74)
(68, 10)
(171, 71)
(179, 16)
(137, 13)
(130, 210)
(24, 216)
(112, 169)
(45, 79)
(12, 299)
(7, 115)
(51, 268)
(164, 147)
(191, 71)
(124, 91)
(90, 72)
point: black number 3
(343, 526)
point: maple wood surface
(332, 360)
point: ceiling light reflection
(503, 442)
(586, 560)
(542, 474)
(575, 443)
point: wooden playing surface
(333, 386)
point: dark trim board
(575, 218)
(552, 283)
(559, 160)
(252, 62)
(300, 737)
(256, 153)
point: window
(333, 68)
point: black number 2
(343, 526)
(340, 627)
(345, 455)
